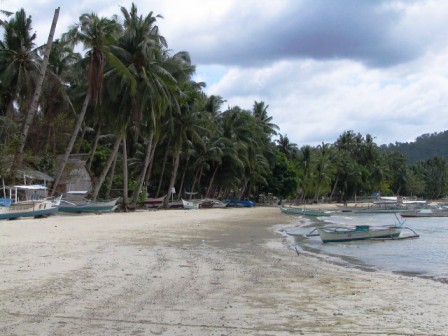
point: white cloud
(372, 67)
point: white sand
(198, 272)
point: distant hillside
(425, 147)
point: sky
(323, 67)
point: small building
(76, 179)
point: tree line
(132, 106)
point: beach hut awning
(33, 174)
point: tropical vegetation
(147, 128)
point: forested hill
(425, 147)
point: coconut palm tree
(142, 50)
(38, 89)
(96, 35)
(19, 65)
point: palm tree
(97, 35)
(323, 168)
(286, 147)
(260, 112)
(19, 64)
(142, 52)
(184, 126)
(5, 13)
(38, 89)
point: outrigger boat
(331, 234)
(190, 204)
(154, 202)
(82, 205)
(305, 212)
(27, 201)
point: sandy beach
(198, 272)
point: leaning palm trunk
(142, 175)
(243, 189)
(197, 179)
(165, 159)
(173, 177)
(151, 162)
(316, 195)
(95, 145)
(102, 177)
(181, 187)
(37, 92)
(334, 188)
(211, 181)
(111, 176)
(69, 147)
(125, 175)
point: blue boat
(239, 203)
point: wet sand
(198, 272)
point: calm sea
(425, 256)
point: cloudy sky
(323, 66)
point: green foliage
(424, 147)
(139, 90)
(283, 182)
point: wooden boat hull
(211, 203)
(239, 203)
(305, 212)
(360, 232)
(425, 214)
(154, 202)
(37, 208)
(88, 207)
(190, 205)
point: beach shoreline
(197, 272)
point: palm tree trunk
(195, 180)
(151, 162)
(38, 90)
(95, 145)
(173, 177)
(102, 177)
(334, 188)
(142, 175)
(81, 139)
(111, 177)
(165, 159)
(183, 178)
(212, 180)
(125, 175)
(69, 148)
(316, 195)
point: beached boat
(190, 204)
(154, 202)
(34, 208)
(81, 205)
(211, 203)
(305, 212)
(239, 203)
(27, 201)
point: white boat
(359, 232)
(305, 212)
(190, 204)
(27, 201)
(83, 205)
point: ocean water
(425, 256)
